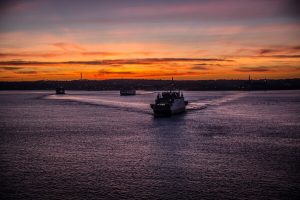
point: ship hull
(60, 91)
(127, 92)
(161, 110)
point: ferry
(127, 92)
(60, 90)
(169, 103)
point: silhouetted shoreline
(143, 84)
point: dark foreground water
(98, 145)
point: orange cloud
(101, 53)
(68, 46)
(32, 54)
(120, 61)
(280, 50)
(255, 69)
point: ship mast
(172, 84)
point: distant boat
(169, 103)
(60, 90)
(127, 92)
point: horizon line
(140, 79)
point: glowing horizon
(191, 40)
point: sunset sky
(157, 39)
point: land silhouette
(145, 84)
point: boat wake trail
(138, 104)
(144, 92)
(202, 104)
(106, 102)
(196, 106)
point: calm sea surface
(98, 145)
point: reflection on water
(99, 145)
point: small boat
(60, 90)
(169, 103)
(127, 92)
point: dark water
(98, 145)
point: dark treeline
(140, 84)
